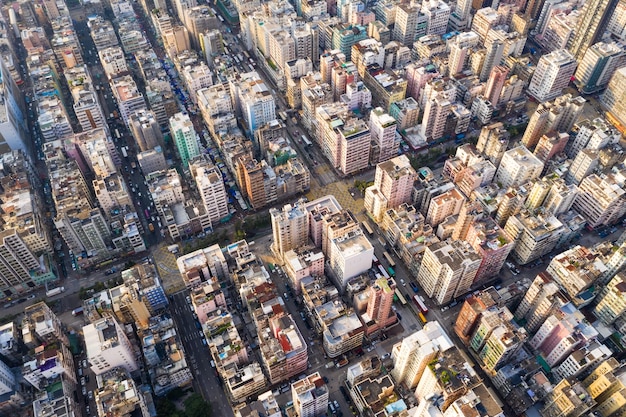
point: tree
(195, 406)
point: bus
(388, 258)
(283, 116)
(391, 271)
(220, 18)
(375, 260)
(422, 318)
(117, 133)
(420, 304)
(368, 228)
(400, 297)
(124, 152)
(383, 272)
(306, 141)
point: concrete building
(211, 187)
(383, 132)
(349, 256)
(448, 270)
(567, 399)
(614, 98)
(612, 300)
(495, 83)
(409, 25)
(493, 142)
(550, 145)
(496, 340)
(606, 385)
(185, 138)
(491, 243)
(536, 235)
(598, 65)
(290, 228)
(379, 314)
(446, 204)
(437, 14)
(592, 23)
(552, 75)
(392, 187)
(583, 359)
(146, 130)
(255, 101)
(435, 115)
(199, 266)
(601, 200)
(108, 347)
(152, 161)
(518, 166)
(460, 47)
(310, 396)
(129, 99)
(412, 356)
(471, 312)
(542, 298)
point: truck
(77, 311)
(55, 291)
(151, 227)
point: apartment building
(211, 187)
(601, 200)
(108, 347)
(310, 396)
(518, 166)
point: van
(285, 296)
(212, 364)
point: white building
(518, 166)
(310, 396)
(108, 346)
(552, 75)
(350, 255)
(290, 227)
(211, 187)
(255, 100)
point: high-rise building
(542, 298)
(108, 346)
(405, 29)
(185, 138)
(496, 81)
(211, 187)
(552, 75)
(493, 56)
(598, 66)
(446, 204)
(435, 116)
(393, 186)
(146, 130)
(310, 396)
(255, 100)
(612, 300)
(460, 47)
(593, 21)
(383, 131)
(416, 351)
(493, 142)
(601, 200)
(290, 228)
(437, 13)
(518, 166)
(617, 22)
(448, 270)
(491, 243)
(536, 235)
(470, 314)
(614, 98)
(379, 314)
(460, 17)
(551, 144)
(606, 384)
(567, 398)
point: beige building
(542, 298)
(416, 351)
(448, 270)
(536, 235)
(290, 228)
(601, 200)
(392, 187)
(211, 187)
(444, 205)
(612, 300)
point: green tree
(195, 406)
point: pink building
(550, 144)
(207, 298)
(496, 81)
(492, 244)
(379, 314)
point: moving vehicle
(414, 287)
(368, 228)
(388, 258)
(78, 311)
(55, 291)
(400, 297)
(420, 304)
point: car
(84, 363)
(402, 282)
(201, 334)
(82, 381)
(80, 371)
(87, 409)
(90, 394)
(84, 391)
(325, 379)
(399, 316)
(204, 342)
(32, 296)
